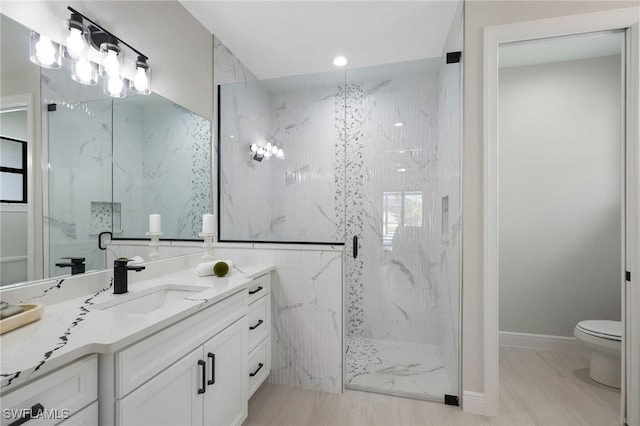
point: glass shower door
(402, 183)
(79, 179)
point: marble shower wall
(306, 314)
(79, 148)
(291, 199)
(162, 165)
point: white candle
(208, 224)
(154, 223)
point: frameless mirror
(109, 163)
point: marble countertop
(71, 329)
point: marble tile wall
(306, 314)
(172, 144)
(291, 199)
(79, 147)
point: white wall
(560, 195)
(479, 14)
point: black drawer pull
(256, 372)
(36, 410)
(253, 327)
(212, 381)
(255, 291)
(203, 364)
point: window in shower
(400, 209)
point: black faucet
(120, 270)
(76, 264)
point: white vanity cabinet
(203, 387)
(190, 373)
(259, 326)
(67, 396)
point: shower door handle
(355, 247)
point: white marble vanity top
(71, 329)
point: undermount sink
(149, 300)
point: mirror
(107, 163)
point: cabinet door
(225, 401)
(170, 398)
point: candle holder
(154, 244)
(207, 245)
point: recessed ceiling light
(340, 61)
(399, 124)
(401, 170)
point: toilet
(604, 339)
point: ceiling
(282, 38)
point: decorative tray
(32, 312)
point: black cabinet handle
(260, 365)
(36, 410)
(203, 364)
(253, 327)
(212, 356)
(255, 291)
(355, 247)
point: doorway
(560, 209)
(626, 20)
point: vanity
(175, 349)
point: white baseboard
(473, 402)
(541, 342)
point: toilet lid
(611, 330)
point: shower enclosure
(402, 131)
(371, 161)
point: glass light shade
(112, 59)
(114, 86)
(267, 153)
(267, 147)
(44, 52)
(84, 72)
(280, 153)
(260, 150)
(141, 82)
(77, 40)
(254, 147)
(274, 149)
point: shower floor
(409, 369)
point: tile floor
(399, 368)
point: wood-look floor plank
(537, 388)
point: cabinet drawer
(259, 365)
(259, 324)
(62, 394)
(259, 287)
(143, 360)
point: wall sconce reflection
(260, 152)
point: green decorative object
(220, 269)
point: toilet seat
(610, 330)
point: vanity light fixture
(260, 152)
(141, 82)
(84, 71)
(112, 58)
(398, 124)
(80, 41)
(44, 52)
(78, 38)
